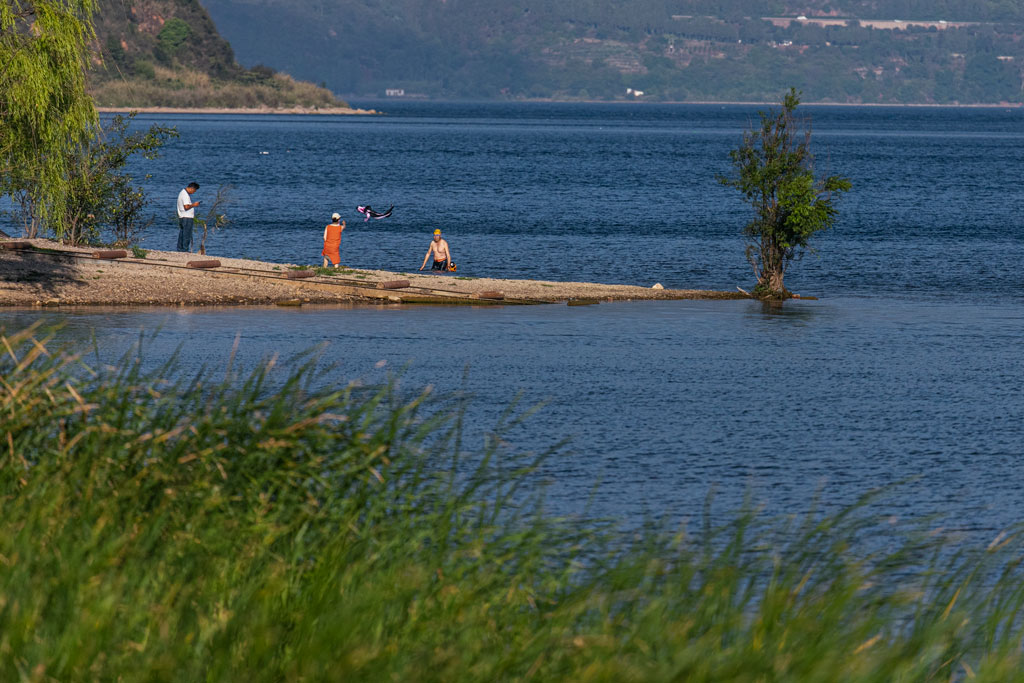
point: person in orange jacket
(332, 240)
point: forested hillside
(169, 53)
(927, 51)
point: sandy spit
(61, 275)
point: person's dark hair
(194, 186)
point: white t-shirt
(185, 198)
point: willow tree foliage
(45, 113)
(774, 170)
(101, 193)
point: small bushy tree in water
(774, 170)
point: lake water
(909, 366)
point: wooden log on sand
(110, 253)
(203, 264)
(14, 246)
(393, 284)
(299, 274)
(489, 295)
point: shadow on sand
(39, 272)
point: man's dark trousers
(185, 234)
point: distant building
(395, 92)
(634, 93)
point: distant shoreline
(750, 103)
(347, 111)
(929, 105)
(236, 110)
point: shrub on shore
(186, 88)
(262, 528)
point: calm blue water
(909, 366)
(663, 400)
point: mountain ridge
(686, 50)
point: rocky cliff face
(169, 53)
(137, 35)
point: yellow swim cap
(437, 232)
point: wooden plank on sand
(110, 253)
(299, 274)
(393, 284)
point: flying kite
(370, 213)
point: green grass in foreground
(259, 529)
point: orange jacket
(333, 242)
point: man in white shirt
(186, 216)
